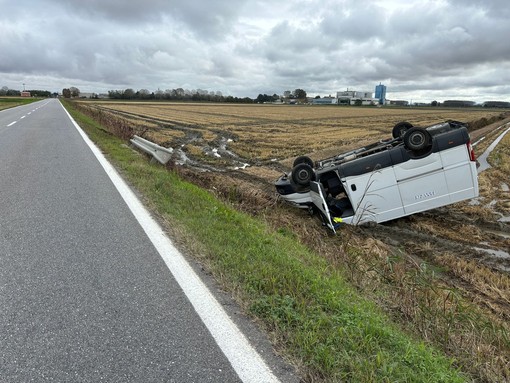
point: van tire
(417, 139)
(303, 160)
(302, 174)
(400, 129)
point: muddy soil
(455, 238)
(491, 245)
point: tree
(75, 92)
(159, 94)
(143, 94)
(262, 98)
(434, 103)
(129, 94)
(66, 92)
(4, 91)
(300, 94)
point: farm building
(25, 93)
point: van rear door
(319, 200)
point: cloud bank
(421, 50)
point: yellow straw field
(265, 132)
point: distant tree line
(262, 98)
(5, 91)
(298, 94)
(181, 94)
(178, 94)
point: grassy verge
(318, 321)
(10, 102)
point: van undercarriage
(416, 170)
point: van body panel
(376, 196)
(414, 167)
(462, 181)
(424, 192)
(454, 156)
(460, 173)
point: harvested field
(261, 133)
(444, 275)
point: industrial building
(351, 97)
(324, 101)
(380, 93)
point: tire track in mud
(429, 248)
(495, 238)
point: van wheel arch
(400, 129)
(417, 139)
(303, 160)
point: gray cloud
(419, 49)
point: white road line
(248, 364)
(12, 123)
(22, 117)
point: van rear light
(472, 156)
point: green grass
(317, 320)
(10, 102)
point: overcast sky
(422, 50)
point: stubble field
(443, 274)
(264, 132)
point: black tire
(400, 129)
(303, 160)
(302, 174)
(417, 139)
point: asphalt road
(84, 294)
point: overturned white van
(416, 170)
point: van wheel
(303, 160)
(417, 139)
(302, 174)
(400, 129)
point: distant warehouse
(324, 101)
(496, 104)
(458, 104)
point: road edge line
(246, 361)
